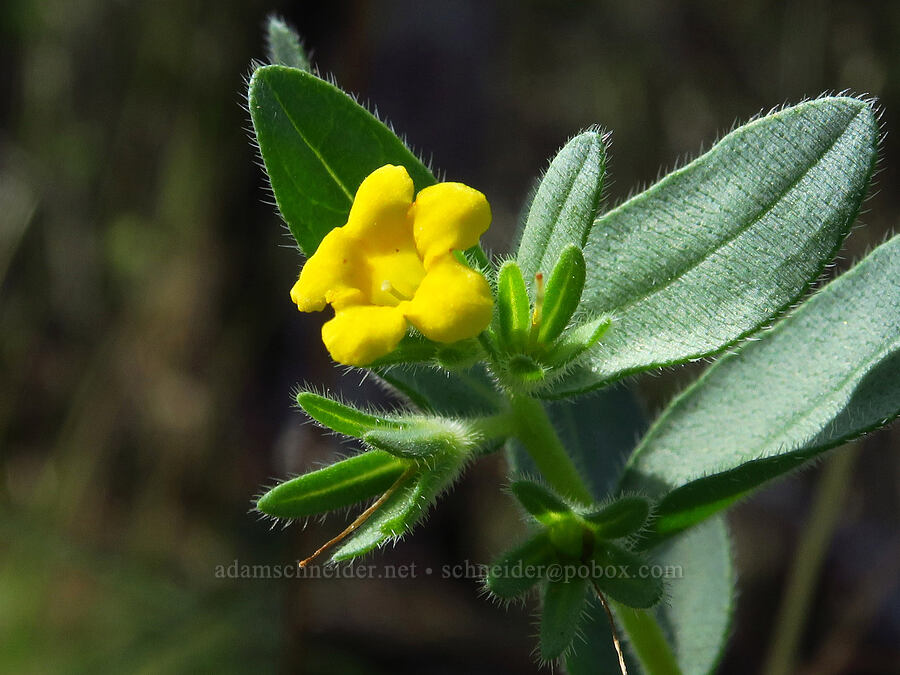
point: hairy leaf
(624, 516)
(592, 650)
(563, 293)
(513, 307)
(825, 374)
(700, 590)
(716, 249)
(318, 145)
(573, 344)
(560, 615)
(565, 203)
(341, 484)
(539, 501)
(405, 507)
(517, 571)
(468, 392)
(618, 574)
(283, 45)
(694, 619)
(339, 417)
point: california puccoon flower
(393, 264)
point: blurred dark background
(148, 347)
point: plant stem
(493, 429)
(536, 433)
(823, 518)
(647, 641)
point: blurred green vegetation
(148, 347)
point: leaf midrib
(804, 414)
(545, 241)
(655, 288)
(761, 447)
(306, 141)
(357, 478)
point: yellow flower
(393, 263)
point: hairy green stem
(492, 430)
(532, 427)
(647, 641)
(804, 575)
(535, 432)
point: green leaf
(318, 145)
(618, 574)
(339, 417)
(513, 307)
(827, 373)
(413, 348)
(571, 345)
(592, 651)
(391, 520)
(716, 249)
(700, 593)
(560, 615)
(539, 501)
(341, 484)
(283, 45)
(463, 393)
(563, 293)
(624, 516)
(402, 509)
(518, 570)
(565, 203)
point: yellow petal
(381, 206)
(448, 216)
(453, 302)
(382, 228)
(334, 273)
(352, 262)
(358, 335)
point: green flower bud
(513, 308)
(419, 437)
(562, 295)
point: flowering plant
(489, 355)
